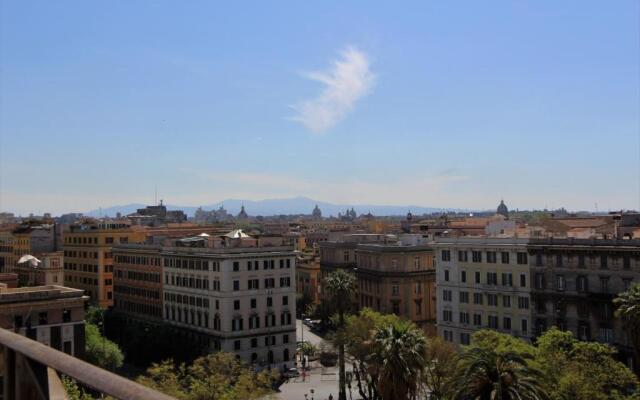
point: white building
(482, 283)
(241, 297)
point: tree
(360, 346)
(486, 374)
(215, 376)
(582, 370)
(628, 304)
(401, 358)
(101, 351)
(440, 367)
(341, 287)
(73, 391)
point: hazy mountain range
(294, 205)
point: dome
(502, 209)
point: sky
(431, 103)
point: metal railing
(24, 356)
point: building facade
(575, 282)
(88, 258)
(49, 271)
(398, 279)
(482, 283)
(53, 315)
(240, 299)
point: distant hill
(268, 207)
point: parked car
(291, 373)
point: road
(322, 381)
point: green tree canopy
(220, 376)
(101, 351)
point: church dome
(502, 209)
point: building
(242, 299)
(308, 276)
(398, 278)
(52, 315)
(48, 271)
(137, 275)
(482, 283)
(575, 282)
(156, 215)
(316, 213)
(88, 257)
(33, 239)
(7, 258)
(225, 292)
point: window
(504, 257)
(476, 256)
(491, 257)
(477, 319)
(446, 275)
(236, 266)
(254, 343)
(522, 258)
(236, 285)
(493, 321)
(561, 284)
(465, 338)
(477, 298)
(462, 256)
(446, 255)
(492, 278)
(346, 256)
(606, 335)
(558, 260)
(236, 304)
(582, 283)
(464, 297)
(477, 276)
(603, 261)
(416, 262)
(523, 280)
(285, 300)
(269, 301)
(539, 280)
(581, 262)
(626, 262)
(42, 318)
(446, 295)
(604, 284)
(464, 317)
(285, 338)
(447, 315)
(626, 283)
(523, 303)
(108, 240)
(523, 326)
(281, 263)
(492, 300)
(448, 336)
(507, 279)
(506, 301)
(463, 276)
(236, 345)
(506, 323)
(395, 290)
(66, 315)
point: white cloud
(348, 80)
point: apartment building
(48, 271)
(52, 315)
(88, 257)
(242, 298)
(308, 276)
(482, 283)
(137, 275)
(575, 282)
(225, 292)
(399, 279)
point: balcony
(31, 371)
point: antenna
(155, 202)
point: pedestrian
(330, 396)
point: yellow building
(88, 258)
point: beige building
(48, 272)
(398, 279)
(52, 315)
(482, 283)
(88, 257)
(308, 276)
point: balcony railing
(31, 371)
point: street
(319, 382)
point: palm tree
(341, 287)
(402, 349)
(485, 374)
(629, 310)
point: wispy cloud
(349, 79)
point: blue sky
(450, 104)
